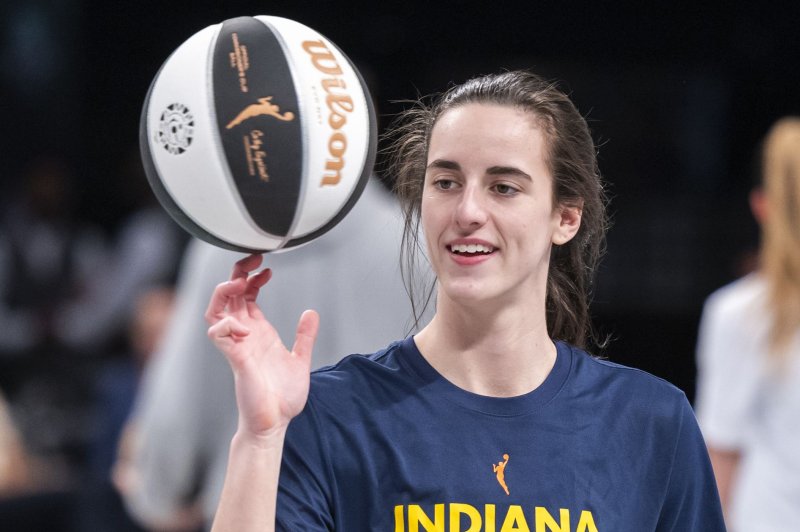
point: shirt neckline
(433, 382)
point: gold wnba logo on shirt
(499, 470)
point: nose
(471, 208)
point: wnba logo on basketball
(253, 142)
(339, 104)
(263, 107)
(175, 128)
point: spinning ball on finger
(258, 134)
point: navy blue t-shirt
(385, 443)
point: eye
(505, 190)
(442, 183)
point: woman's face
(487, 205)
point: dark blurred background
(677, 94)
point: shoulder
(345, 394)
(358, 374)
(618, 384)
(357, 367)
(736, 297)
(588, 366)
(735, 316)
(635, 411)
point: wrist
(271, 440)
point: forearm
(725, 464)
(250, 491)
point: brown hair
(780, 248)
(572, 159)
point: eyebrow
(444, 164)
(508, 170)
(492, 170)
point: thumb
(306, 334)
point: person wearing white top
(186, 410)
(748, 358)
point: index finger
(221, 297)
(243, 267)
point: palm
(271, 381)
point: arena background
(677, 94)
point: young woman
(748, 357)
(491, 417)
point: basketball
(258, 134)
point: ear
(568, 221)
(758, 204)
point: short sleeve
(691, 503)
(728, 373)
(304, 490)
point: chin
(466, 292)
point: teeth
(471, 248)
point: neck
(499, 352)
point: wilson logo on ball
(339, 104)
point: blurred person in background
(68, 292)
(15, 473)
(49, 255)
(114, 392)
(173, 460)
(30, 500)
(144, 252)
(748, 357)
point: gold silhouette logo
(499, 470)
(263, 107)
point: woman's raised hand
(271, 381)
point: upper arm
(691, 502)
(186, 409)
(729, 375)
(725, 464)
(305, 497)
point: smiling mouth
(470, 249)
